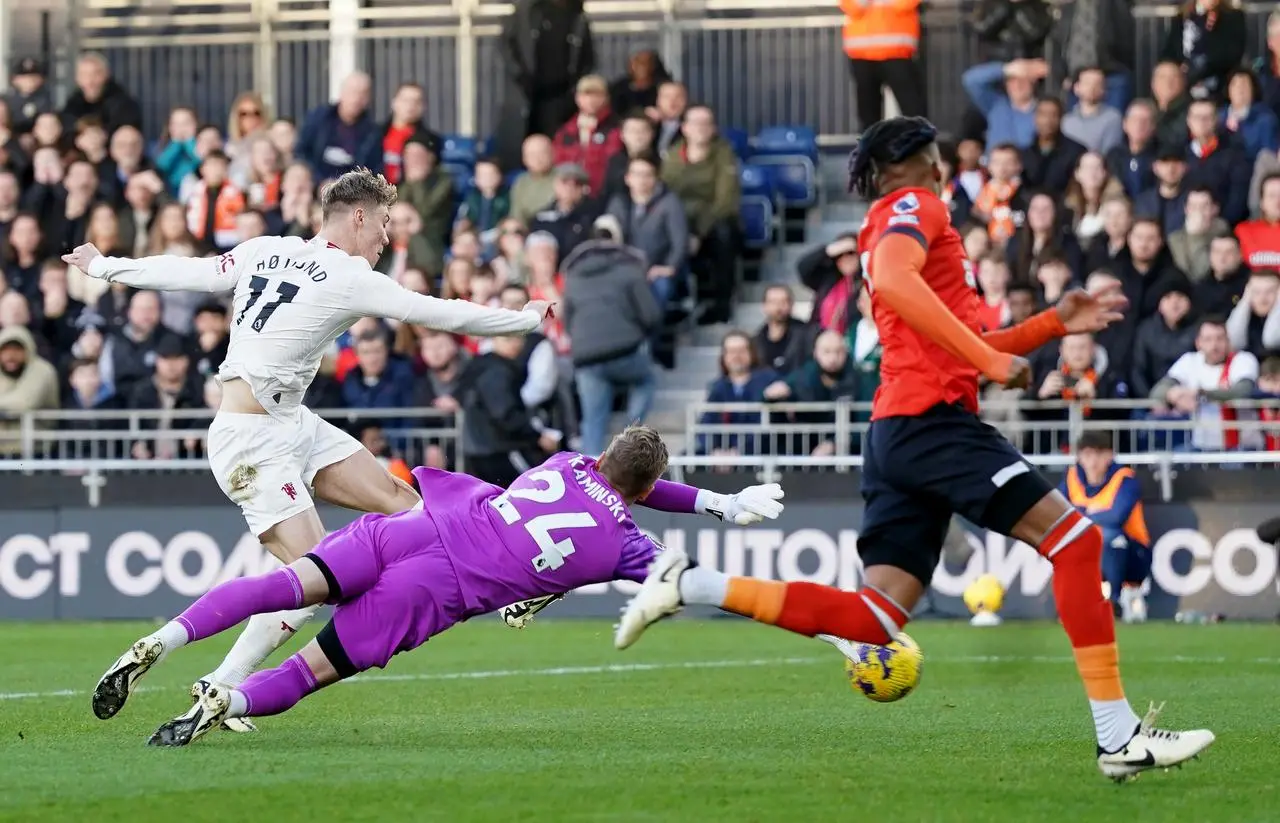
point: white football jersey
(292, 299)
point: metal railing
(152, 441)
(1044, 430)
(757, 62)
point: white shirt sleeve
(540, 384)
(1244, 366)
(376, 295)
(168, 272)
(1183, 370)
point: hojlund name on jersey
(274, 263)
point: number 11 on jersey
(552, 552)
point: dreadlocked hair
(886, 142)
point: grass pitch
(702, 721)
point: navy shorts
(919, 471)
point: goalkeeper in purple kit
(398, 580)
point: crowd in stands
(1175, 197)
(624, 212)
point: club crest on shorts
(242, 482)
(289, 489)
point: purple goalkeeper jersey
(559, 526)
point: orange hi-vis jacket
(881, 29)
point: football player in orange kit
(928, 456)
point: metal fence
(758, 63)
(151, 441)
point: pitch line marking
(633, 668)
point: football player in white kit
(269, 453)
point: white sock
(703, 585)
(172, 635)
(239, 704)
(264, 634)
(1114, 721)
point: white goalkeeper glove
(752, 505)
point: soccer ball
(984, 595)
(885, 673)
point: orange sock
(761, 600)
(1074, 546)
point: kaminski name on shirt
(596, 490)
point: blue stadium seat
(739, 140)
(458, 157)
(791, 153)
(757, 210)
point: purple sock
(226, 605)
(276, 690)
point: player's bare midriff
(237, 398)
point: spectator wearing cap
(571, 214)
(1131, 161)
(591, 136)
(653, 221)
(1254, 324)
(1166, 202)
(1207, 40)
(27, 382)
(1163, 337)
(333, 134)
(1049, 162)
(535, 188)
(211, 336)
(1189, 245)
(56, 312)
(214, 204)
(1260, 239)
(1092, 123)
(1219, 293)
(29, 94)
(429, 189)
(702, 170)
(1216, 160)
(546, 47)
(610, 315)
(129, 355)
(382, 149)
(98, 95)
(170, 387)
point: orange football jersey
(916, 373)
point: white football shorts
(266, 465)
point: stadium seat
(739, 140)
(458, 157)
(791, 154)
(757, 210)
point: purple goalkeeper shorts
(392, 595)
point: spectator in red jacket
(591, 136)
(1260, 239)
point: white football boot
(208, 713)
(845, 647)
(112, 691)
(239, 725)
(1152, 748)
(659, 597)
(1133, 606)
